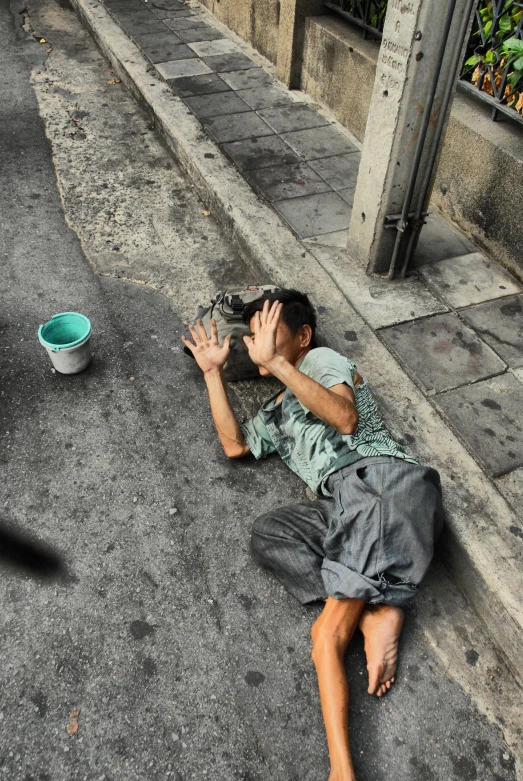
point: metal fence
(367, 14)
(493, 66)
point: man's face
(288, 346)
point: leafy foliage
(495, 61)
(371, 12)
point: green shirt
(310, 447)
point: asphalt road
(185, 660)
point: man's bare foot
(381, 626)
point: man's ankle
(342, 770)
(338, 774)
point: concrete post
(291, 36)
(407, 61)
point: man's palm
(206, 350)
(262, 346)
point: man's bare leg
(381, 626)
(331, 635)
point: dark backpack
(227, 309)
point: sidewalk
(442, 349)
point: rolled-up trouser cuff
(343, 583)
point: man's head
(297, 329)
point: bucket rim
(58, 347)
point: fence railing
(367, 14)
(493, 66)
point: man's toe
(374, 680)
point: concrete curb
(481, 549)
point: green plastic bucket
(66, 339)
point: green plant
(497, 53)
(513, 51)
(373, 12)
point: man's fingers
(227, 341)
(275, 313)
(214, 333)
(202, 331)
(256, 323)
(266, 310)
(248, 341)
(188, 344)
(195, 335)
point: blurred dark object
(36, 558)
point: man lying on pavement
(365, 544)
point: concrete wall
(479, 183)
(255, 20)
(338, 69)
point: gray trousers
(372, 540)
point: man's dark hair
(297, 310)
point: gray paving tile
(141, 27)
(469, 279)
(181, 68)
(292, 116)
(222, 63)
(315, 214)
(206, 84)
(119, 5)
(500, 324)
(247, 79)
(215, 48)
(341, 171)
(167, 5)
(186, 13)
(136, 15)
(253, 153)
(235, 127)
(193, 34)
(487, 417)
(334, 239)
(154, 39)
(185, 23)
(511, 486)
(265, 96)
(124, 3)
(441, 352)
(319, 142)
(168, 53)
(438, 240)
(348, 195)
(286, 181)
(216, 105)
(127, 8)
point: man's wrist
(212, 373)
(275, 364)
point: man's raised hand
(264, 324)
(206, 350)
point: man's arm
(226, 422)
(336, 406)
(211, 358)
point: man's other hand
(262, 343)
(206, 350)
